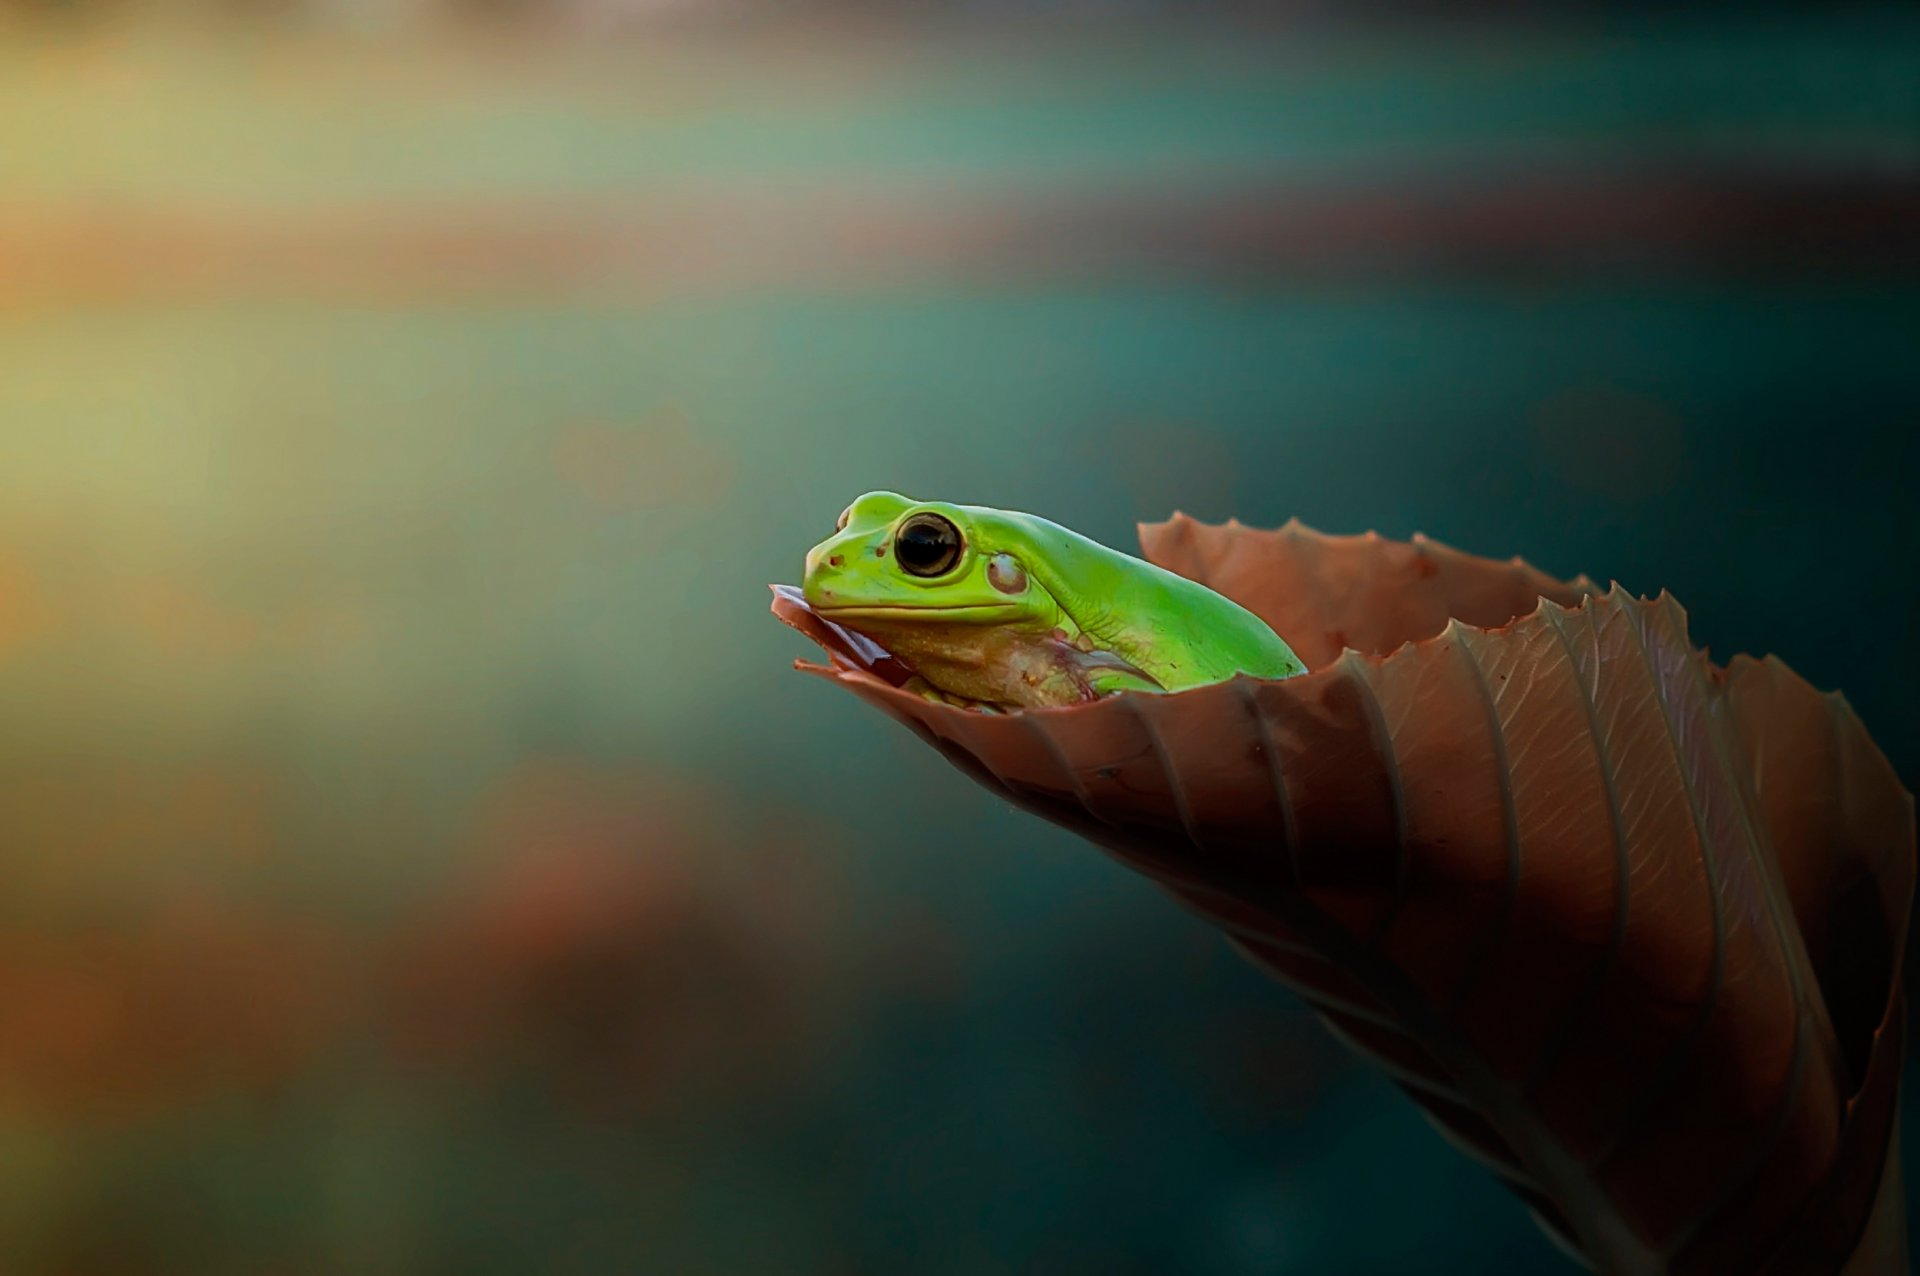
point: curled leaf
(1626, 924)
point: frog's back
(1218, 637)
(1176, 629)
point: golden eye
(927, 545)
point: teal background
(415, 852)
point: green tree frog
(995, 609)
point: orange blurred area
(592, 947)
(113, 1021)
(588, 938)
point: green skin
(1031, 613)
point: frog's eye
(927, 545)
(845, 514)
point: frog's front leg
(1105, 672)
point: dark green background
(418, 856)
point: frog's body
(997, 608)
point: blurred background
(416, 855)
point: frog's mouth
(845, 648)
(971, 613)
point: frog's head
(895, 562)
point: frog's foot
(927, 691)
(1107, 681)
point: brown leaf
(1628, 925)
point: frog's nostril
(833, 560)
